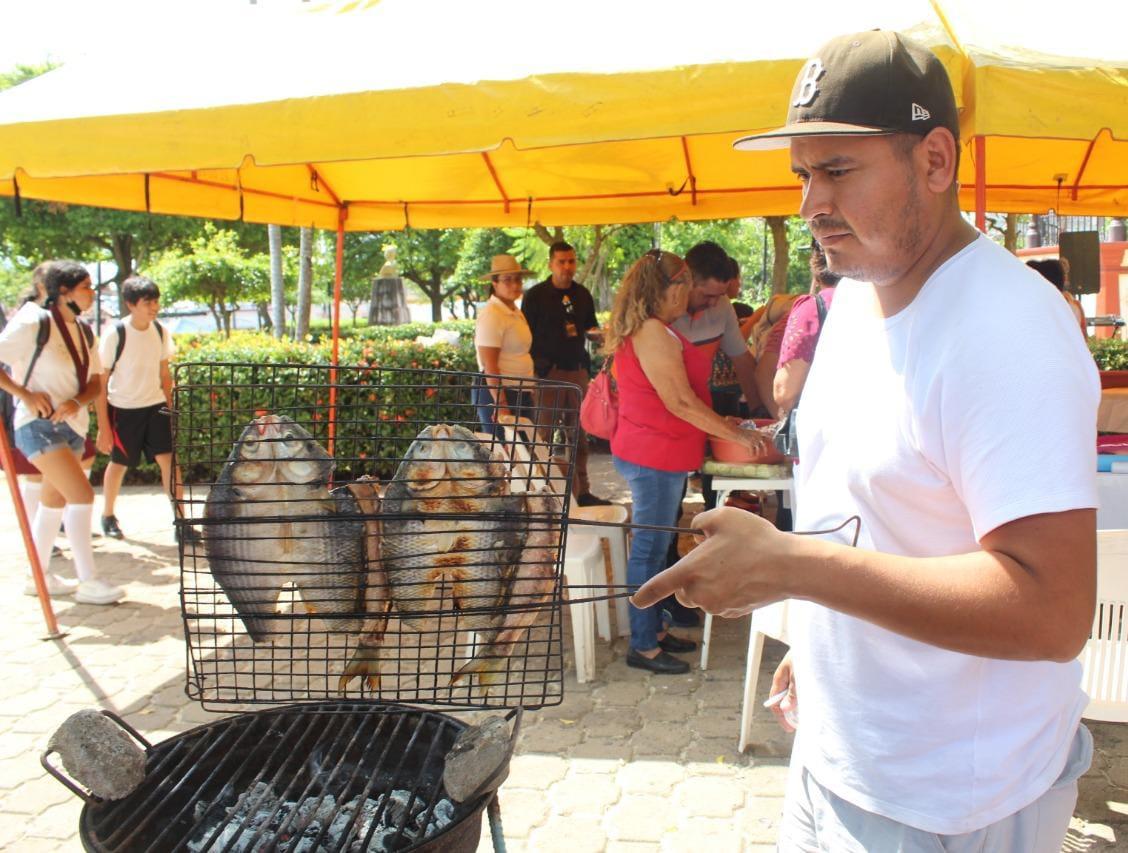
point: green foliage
(22, 73)
(1109, 353)
(215, 271)
(223, 384)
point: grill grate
(316, 565)
(203, 787)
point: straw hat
(504, 264)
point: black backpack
(7, 401)
(120, 327)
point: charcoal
(477, 755)
(98, 753)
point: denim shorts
(41, 436)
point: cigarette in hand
(772, 701)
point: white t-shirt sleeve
(732, 342)
(17, 341)
(1011, 421)
(489, 329)
(169, 344)
(107, 346)
(96, 360)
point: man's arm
(744, 366)
(166, 381)
(1027, 594)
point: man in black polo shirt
(560, 312)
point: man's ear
(938, 150)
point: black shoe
(110, 527)
(680, 615)
(662, 664)
(588, 499)
(677, 645)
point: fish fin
(488, 667)
(365, 663)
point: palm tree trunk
(277, 287)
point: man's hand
(784, 679)
(741, 565)
(104, 442)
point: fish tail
(365, 663)
(488, 666)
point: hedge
(1109, 353)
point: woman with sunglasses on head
(54, 385)
(502, 339)
(665, 413)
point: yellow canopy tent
(425, 114)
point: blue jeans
(518, 402)
(41, 436)
(655, 499)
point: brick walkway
(629, 762)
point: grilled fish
(532, 587)
(452, 532)
(273, 520)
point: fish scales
(273, 520)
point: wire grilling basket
(351, 533)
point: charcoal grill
(225, 786)
(352, 767)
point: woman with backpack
(55, 377)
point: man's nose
(817, 198)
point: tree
(479, 245)
(277, 316)
(48, 230)
(428, 259)
(215, 270)
(305, 283)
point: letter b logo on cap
(808, 82)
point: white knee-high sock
(76, 522)
(30, 490)
(44, 530)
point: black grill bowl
(340, 749)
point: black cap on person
(866, 84)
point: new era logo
(920, 113)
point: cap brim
(782, 136)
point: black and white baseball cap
(866, 84)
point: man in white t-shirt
(933, 667)
(136, 395)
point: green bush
(1109, 353)
(387, 390)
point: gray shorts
(814, 819)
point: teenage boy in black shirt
(560, 312)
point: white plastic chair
(616, 538)
(1105, 657)
(583, 570)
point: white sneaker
(57, 587)
(95, 591)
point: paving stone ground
(628, 762)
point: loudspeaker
(1082, 251)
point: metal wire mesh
(352, 533)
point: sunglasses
(657, 254)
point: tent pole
(981, 184)
(37, 575)
(336, 352)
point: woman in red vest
(664, 415)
